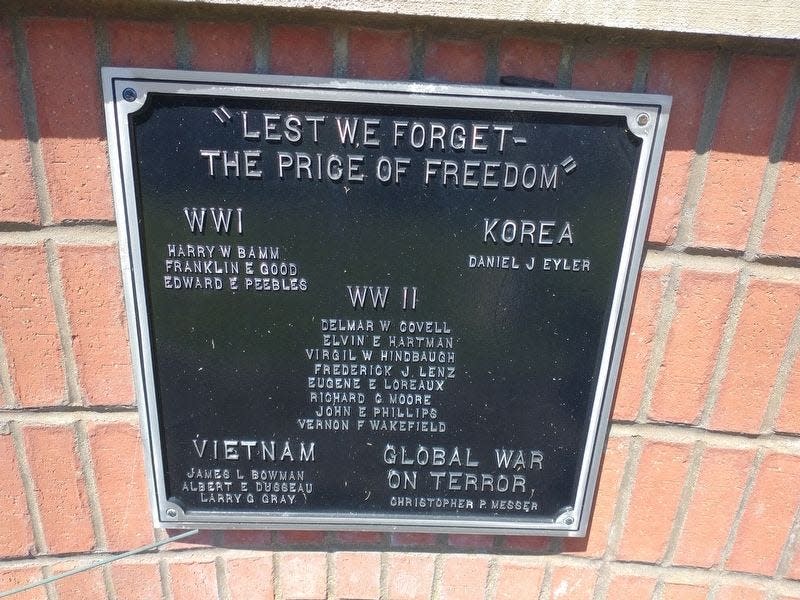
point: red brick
(361, 538)
(379, 54)
(685, 76)
(661, 475)
(609, 68)
(768, 516)
(136, 581)
(304, 575)
(358, 575)
(121, 484)
(70, 117)
(684, 591)
(740, 149)
(472, 542)
(410, 576)
(93, 292)
(253, 540)
(301, 50)
(639, 345)
(193, 580)
(306, 538)
(413, 539)
(526, 57)
(768, 314)
(82, 586)
(60, 488)
(142, 44)
(222, 46)
(627, 587)
(462, 61)
(612, 470)
(572, 583)
(693, 342)
(713, 506)
(13, 578)
(526, 543)
(17, 192)
(463, 577)
(17, 537)
(518, 580)
(738, 592)
(250, 577)
(29, 329)
(782, 230)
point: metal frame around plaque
(646, 116)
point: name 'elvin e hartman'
(410, 147)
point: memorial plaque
(372, 305)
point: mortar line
(111, 591)
(666, 432)
(685, 502)
(712, 106)
(102, 48)
(728, 336)
(755, 468)
(330, 574)
(105, 233)
(6, 381)
(678, 574)
(772, 168)
(277, 587)
(166, 579)
(341, 51)
(712, 591)
(27, 96)
(726, 264)
(778, 392)
(681, 434)
(666, 314)
(603, 581)
(50, 588)
(790, 547)
(436, 582)
(565, 65)
(62, 321)
(547, 578)
(491, 47)
(223, 592)
(418, 42)
(658, 592)
(37, 526)
(261, 46)
(641, 71)
(623, 499)
(383, 577)
(492, 577)
(183, 46)
(90, 480)
(51, 415)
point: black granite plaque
(375, 306)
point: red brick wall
(699, 495)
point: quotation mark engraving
(569, 164)
(222, 114)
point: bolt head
(171, 512)
(642, 119)
(129, 94)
